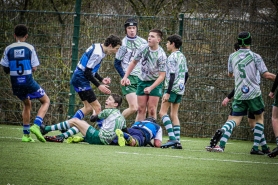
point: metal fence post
(181, 19)
(74, 56)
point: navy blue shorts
(138, 135)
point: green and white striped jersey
(176, 63)
(151, 62)
(244, 64)
(113, 119)
(127, 51)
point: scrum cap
(244, 38)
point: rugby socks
(263, 143)
(229, 125)
(60, 126)
(177, 131)
(258, 132)
(224, 138)
(38, 121)
(168, 125)
(70, 132)
(79, 114)
(26, 129)
(276, 140)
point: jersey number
(241, 68)
(20, 71)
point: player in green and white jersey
(124, 56)
(251, 119)
(152, 60)
(243, 65)
(174, 87)
(112, 120)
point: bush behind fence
(207, 44)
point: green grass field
(62, 163)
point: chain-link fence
(207, 44)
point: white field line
(203, 159)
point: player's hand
(148, 90)
(271, 95)
(125, 81)
(104, 89)
(165, 97)
(225, 101)
(106, 80)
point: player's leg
(130, 94)
(73, 126)
(240, 108)
(226, 135)
(256, 106)
(45, 102)
(142, 106)
(26, 113)
(132, 105)
(252, 123)
(175, 119)
(88, 99)
(275, 122)
(258, 132)
(166, 119)
(136, 138)
(229, 125)
(224, 139)
(152, 106)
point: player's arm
(186, 77)
(98, 77)
(6, 69)
(275, 84)
(231, 95)
(118, 67)
(131, 66)
(89, 75)
(158, 80)
(228, 98)
(269, 76)
(171, 83)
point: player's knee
(152, 113)
(46, 101)
(161, 114)
(74, 121)
(133, 109)
(141, 110)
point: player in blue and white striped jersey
(87, 71)
(20, 61)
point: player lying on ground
(112, 120)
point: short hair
(158, 32)
(176, 39)
(20, 30)
(244, 38)
(118, 99)
(236, 46)
(113, 40)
